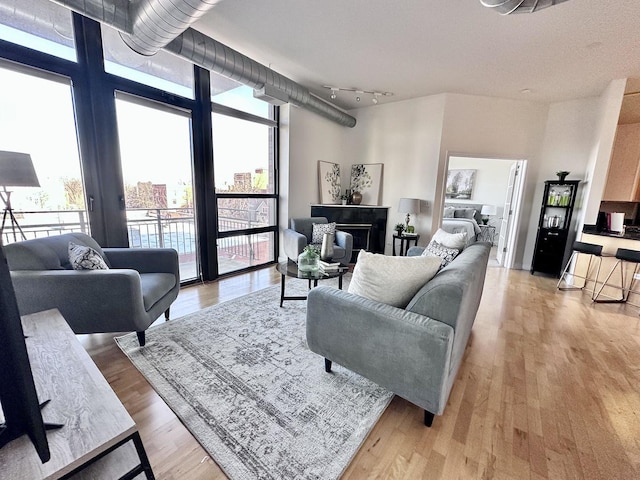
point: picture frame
(366, 178)
(460, 184)
(329, 185)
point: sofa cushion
(391, 280)
(155, 286)
(445, 254)
(319, 229)
(451, 240)
(82, 257)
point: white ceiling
(415, 48)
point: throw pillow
(391, 280)
(444, 254)
(319, 229)
(465, 213)
(82, 257)
(451, 240)
(449, 212)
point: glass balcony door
(37, 118)
(156, 158)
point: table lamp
(487, 211)
(16, 170)
(408, 206)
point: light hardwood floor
(549, 389)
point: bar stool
(592, 250)
(622, 255)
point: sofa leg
(428, 418)
(327, 365)
(166, 314)
(141, 338)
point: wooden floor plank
(548, 389)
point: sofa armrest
(293, 243)
(404, 352)
(144, 260)
(345, 240)
(90, 300)
(415, 251)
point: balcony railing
(154, 228)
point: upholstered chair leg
(327, 365)
(166, 314)
(141, 338)
(428, 418)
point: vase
(308, 262)
(326, 252)
(356, 198)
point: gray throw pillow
(449, 212)
(464, 213)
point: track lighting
(359, 93)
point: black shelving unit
(553, 226)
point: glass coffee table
(290, 269)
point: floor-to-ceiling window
(37, 118)
(243, 159)
(172, 155)
(158, 178)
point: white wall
(497, 128)
(567, 142)
(405, 137)
(607, 113)
(413, 139)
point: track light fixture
(359, 93)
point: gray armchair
(138, 287)
(299, 235)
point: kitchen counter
(631, 233)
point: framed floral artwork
(366, 178)
(329, 182)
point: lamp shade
(489, 210)
(16, 170)
(409, 205)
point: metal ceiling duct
(154, 24)
(506, 7)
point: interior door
(507, 216)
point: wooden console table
(99, 439)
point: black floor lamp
(16, 170)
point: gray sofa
(415, 352)
(139, 286)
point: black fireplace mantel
(374, 215)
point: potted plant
(344, 197)
(399, 228)
(308, 259)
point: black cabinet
(558, 201)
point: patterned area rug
(241, 378)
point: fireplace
(367, 224)
(361, 233)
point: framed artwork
(329, 182)
(366, 178)
(460, 184)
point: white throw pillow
(82, 257)
(446, 254)
(391, 280)
(319, 229)
(451, 240)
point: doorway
(496, 193)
